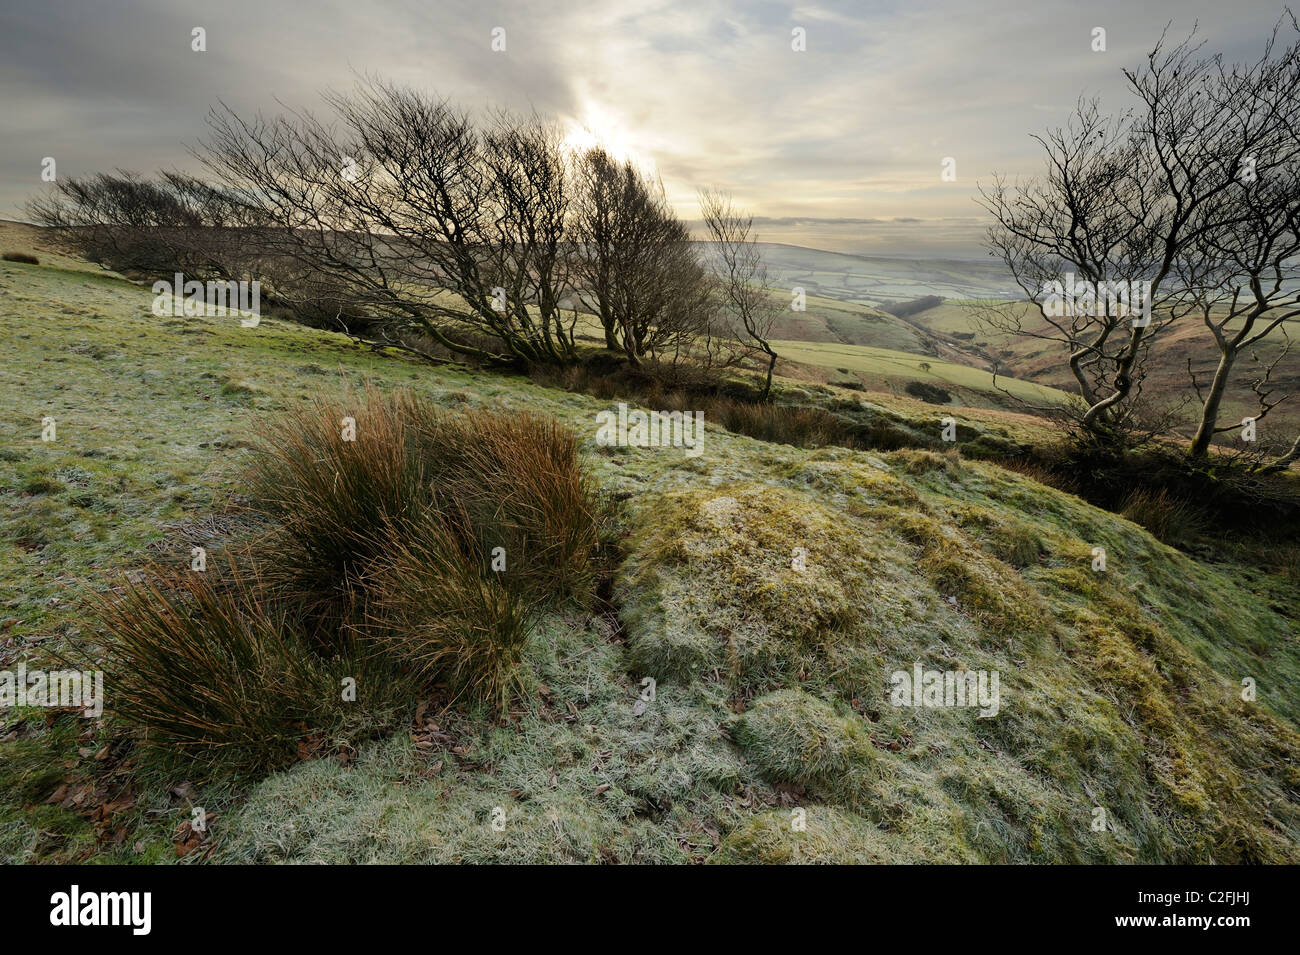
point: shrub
(882, 434)
(927, 392)
(1169, 519)
(22, 257)
(797, 425)
(1043, 473)
(903, 309)
(442, 613)
(213, 671)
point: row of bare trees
(424, 223)
(148, 227)
(1196, 191)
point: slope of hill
(1167, 383)
(848, 323)
(773, 594)
(882, 369)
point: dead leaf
(183, 790)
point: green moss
(820, 836)
(989, 590)
(796, 738)
(43, 485)
(749, 580)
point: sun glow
(598, 126)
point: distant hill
(1167, 382)
(881, 280)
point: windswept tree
(151, 227)
(741, 276)
(1167, 200)
(411, 211)
(405, 220)
(638, 270)
(1240, 275)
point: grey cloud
(708, 91)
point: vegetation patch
(823, 836)
(795, 738)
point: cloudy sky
(709, 92)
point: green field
(881, 367)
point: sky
(840, 145)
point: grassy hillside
(770, 592)
(885, 369)
(1167, 381)
(848, 323)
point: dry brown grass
(422, 551)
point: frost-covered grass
(768, 591)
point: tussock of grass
(1170, 520)
(330, 502)
(377, 566)
(505, 480)
(213, 672)
(802, 426)
(440, 612)
(518, 485)
(829, 837)
(793, 737)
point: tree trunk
(1123, 380)
(1210, 411)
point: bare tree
(599, 227)
(741, 275)
(640, 273)
(150, 226)
(1140, 197)
(1239, 271)
(416, 214)
(404, 217)
(1072, 231)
